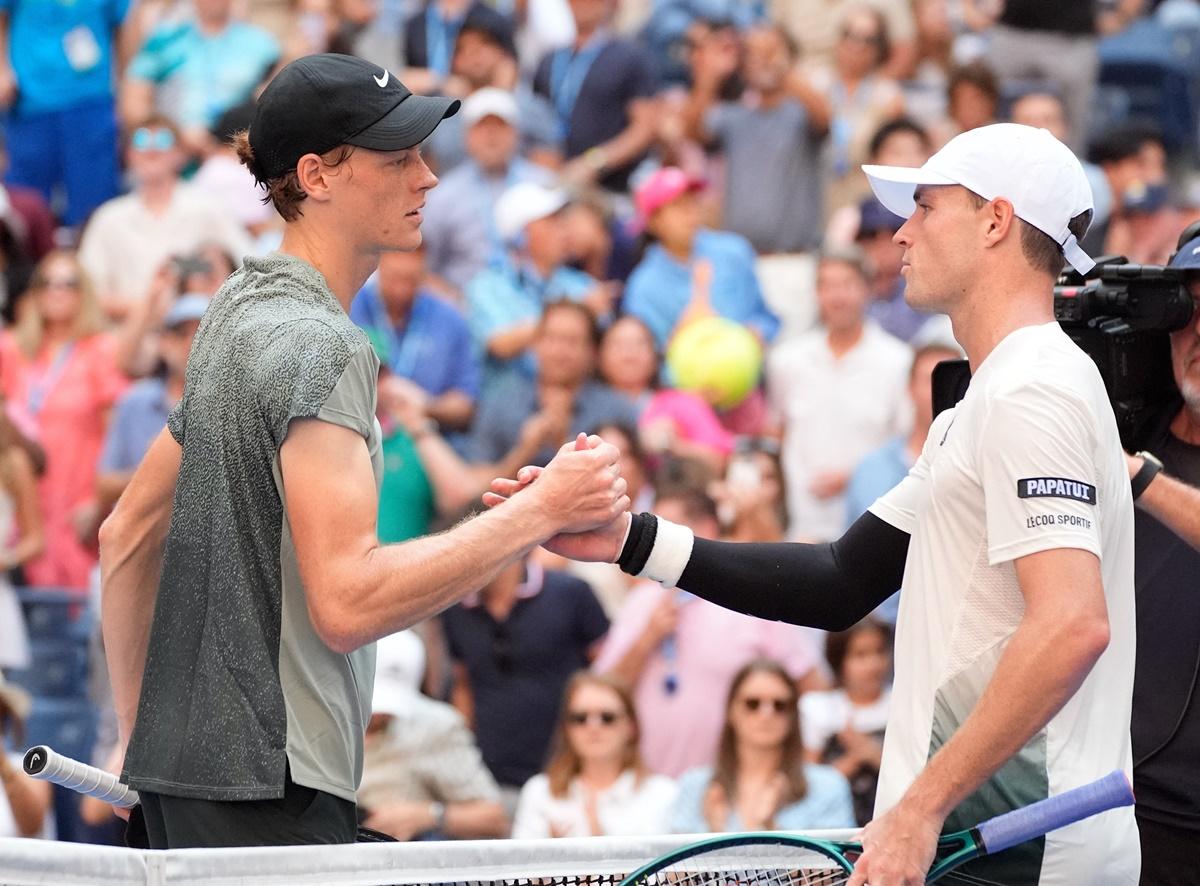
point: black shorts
(302, 815)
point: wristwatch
(1151, 466)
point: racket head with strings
(760, 859)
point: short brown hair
(284, 191)
(1038, 247)
(837, 643)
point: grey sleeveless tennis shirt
(237, 683)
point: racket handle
(41, 762)
(1056, 812)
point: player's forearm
(1044, 664)
(1176, 505)
(391, 587)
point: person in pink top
(60, 370)
(680, 653)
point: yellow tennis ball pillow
(717, 358)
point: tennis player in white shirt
(1012, 538)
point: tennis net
(596, 861)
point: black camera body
(1121, 316)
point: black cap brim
(406, 125)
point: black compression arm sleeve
(829, 586)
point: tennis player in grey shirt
(243, 580)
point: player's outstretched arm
(131, 552)
(359, 590)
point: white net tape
(597, 861)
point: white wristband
(672, 550)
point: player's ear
(998, 219)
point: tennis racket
(41, 762)
(787, 860)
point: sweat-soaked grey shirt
(237, 682)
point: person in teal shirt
(198, 68)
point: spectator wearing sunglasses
(760, 781)
(129, 237)
(595, 783)
(514, 645)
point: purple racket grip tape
(1056, 812)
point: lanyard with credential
(440, 37)
(44, 384)
(568, 70)
(404, 347)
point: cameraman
(1166, 711)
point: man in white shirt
(1013, 533)
(838, 391)
(128, 238)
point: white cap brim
(895, 185)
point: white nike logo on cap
(382, 81)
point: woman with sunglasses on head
(760, 781)
(595, 783)
(59, 373)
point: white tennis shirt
(1029, 460)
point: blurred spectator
(1034, 40)
(421, 339)
(844, 726)
(129, 237)
(408, 500)
(422, 772)
(515, 645)
(602, 89)
(599, 243)
(31, 208)
(771, 139)
(671, 421)
(430, 38)
(838, 393)
(816, 26)
(195, 69)
(60, 370)
(885, 467)
(1142, 224)
(877, 229)
(26, 803)
(861, 95)
(485, 58)
(16, 262)
(141, 414)
(759, 780)
(972, 97)
(505, 302)
(670, 30)
(662, 642)
(924, 85)
(595, 784)
(750, 499)
(562, 400)
(21, 537)
(460, 231)
(57, 64)
(662, 290)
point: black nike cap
(321, 101)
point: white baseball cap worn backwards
(1029, 167)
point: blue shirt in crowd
(660, 287)
(204, 75)
(827, 804)
(433, 349)
(509, 293)
(514, 399)
(62, 50)
(458, 232)
(137, 419)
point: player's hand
(582, 487)
(114, 764)
(897, 849)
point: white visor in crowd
(1029, 167)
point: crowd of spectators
(617, 172)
